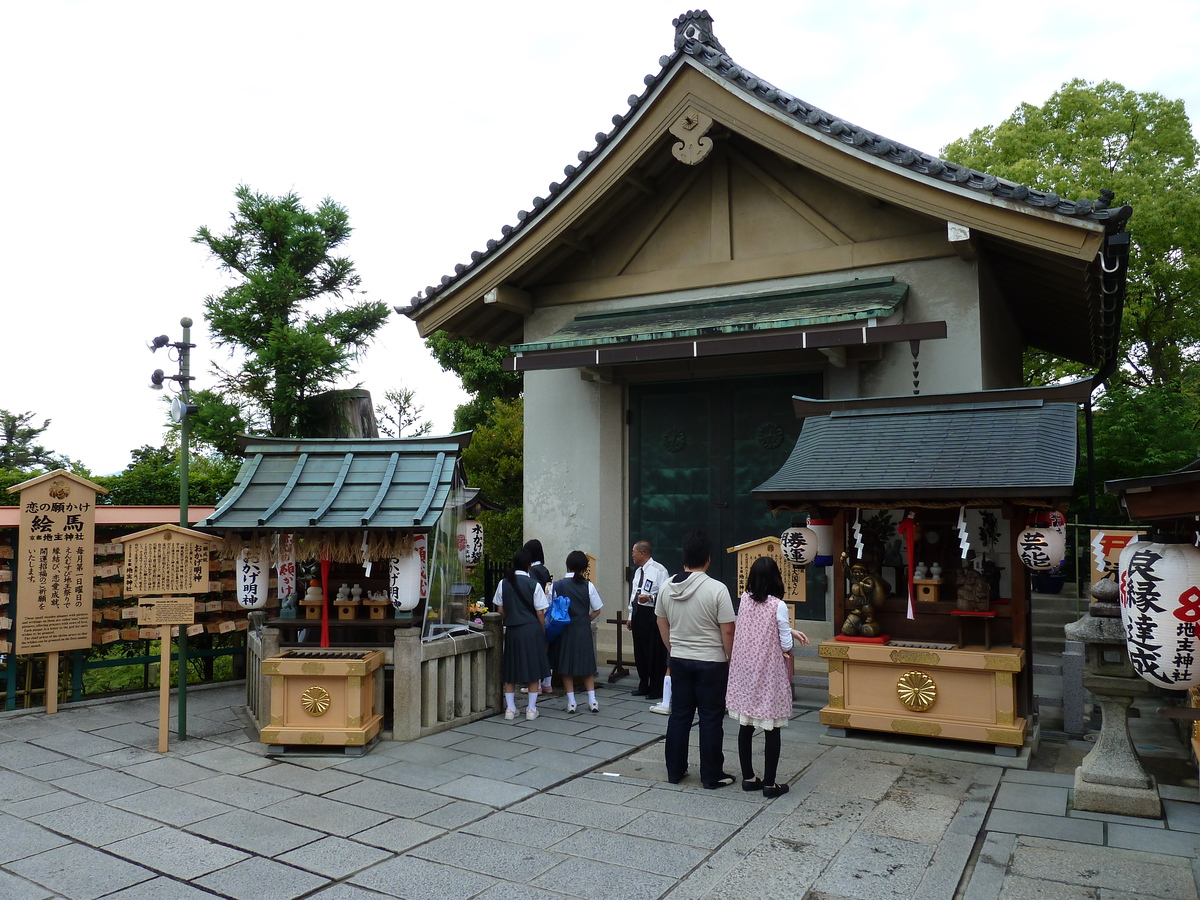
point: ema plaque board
(54, 565)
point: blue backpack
(558, 617)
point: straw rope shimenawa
(336, 546)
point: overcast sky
(129, 124)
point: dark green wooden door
(697, 449)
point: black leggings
(771, 753)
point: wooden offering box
(323, 697)
(966, 695)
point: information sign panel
(166, 610)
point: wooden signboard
(54, 569)
(166, 610)
(795, 589)
(166, 560)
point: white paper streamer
(964, 533)
(366, 559)
(857, 531)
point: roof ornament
(690, 128)
(695, 25)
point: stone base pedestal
(1111, 798)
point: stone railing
(436, 685)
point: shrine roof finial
(695, 25)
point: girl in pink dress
(760, 692)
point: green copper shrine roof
(864, 298)
(341, 483)
(943, 451)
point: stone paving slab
(1032, 798)
(161, 888)
(593, 880)
(262, 879)
(1153, 840)
(515, 862)
(532, 831)
(1123, 870)
(324, 814)
(306, 781)
(19, 839)
(1082, 831)
(170, 806)
(176, 853)
(255, 833)
(240, 792)
(393, 799)
(485, 790)
(408, 876)
(335, 857)
(103, 785)
(62, 768)
(79, 872)
(95, 823)
(456, 814)
(14, 888)
(398, 835)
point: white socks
(591, 696)
(510, 700)
(570, 698)
(666, 700)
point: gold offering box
(967, 695)
(323, 697)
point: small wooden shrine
(928, 496)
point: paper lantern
(798, 545)
(470, 542)
(404, 581)
(1042, 547)
(251, 580)
(1159, 588)
(823, 528)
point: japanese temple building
(726, 246)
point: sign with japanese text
(167, 559)
(285, 566)
(166, 611)
(54, 564)
(1107, 545)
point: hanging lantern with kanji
(798, 545)
(1043, 545)
(252, 577)
(470, 542)
(1159, 587)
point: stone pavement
(567, 806)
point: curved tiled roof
(694, 38)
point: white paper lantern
(470, 542)
(1159, 586)
(798, 545)
(823, 528)
(404, 581)
(251, 580)
(1042, 547)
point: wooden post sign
(160, 561)
(54, 569)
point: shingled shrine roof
(337, 483)
(696, 43)
(1018, 443)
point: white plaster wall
(939, 289)
(575, 479)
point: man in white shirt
(649, 652)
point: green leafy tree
(19, 449)
(1089, 137)
(400, 416)
(480, 367)
(282, 256)
(152, 478)
(494, 463)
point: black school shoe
(724, 781)
(775, 790)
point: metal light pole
(181, 408)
